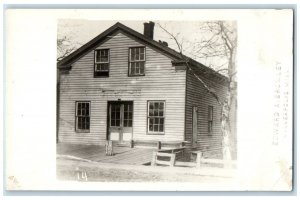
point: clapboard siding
(197, 95)
(161, 82)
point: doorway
(120, 120)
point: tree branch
(189, 68)
(173, 37)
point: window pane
(79, 122)
(161, 113)
(150, 113)
(155, 112)
(104, 55)
(151, 121)
(84, 123)
(129, 123)
(155, 128)
(137, 68)
(125, 115)
(161, 105)
(105, 66)
(130, 108)
(142, 50)
(87, 109)
(130, 115)
(150, 127)
(117, 122)
(125, 122)
(156, 105)
(161, 128)
(132, 68)
(97, 56)
(161, 121)
(104, 58)
(132, 54)
(78, 111)
(113, 122)
(136, 57)
(118, 115)
(156, 120)
(142, 56)
(87, 123)
(142, 66)
(98, 67)
(79, 106)
(151, 105)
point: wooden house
(126, 87)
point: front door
(120, 117)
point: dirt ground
(103, 172)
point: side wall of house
(198, 96)
(161, 82)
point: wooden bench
(172, 154)
(156, 161)
(157, 144)
(176, 151)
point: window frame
(77, 130)
(110, 111)
(148, 118)
(210, 119)
(95, 64)
(129, 111)
(129, 61)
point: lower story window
(82, 116)
(156, 117)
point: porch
(96, 153)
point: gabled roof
(178, 58)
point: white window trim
(148, 118)
(95, 56)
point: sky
(80, 32)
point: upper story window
(137, 58)
(101, 63)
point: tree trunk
(227, 109)
(225, 128)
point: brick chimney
(149, 29)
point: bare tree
(65, 47)
(218, 41)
